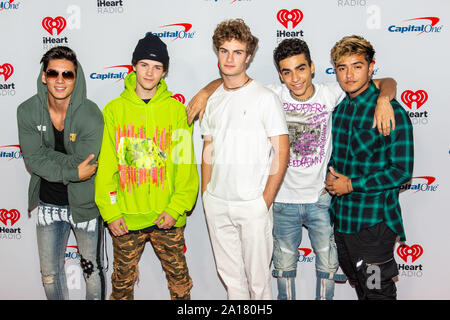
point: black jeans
(367, 258)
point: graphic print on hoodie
(141, 158)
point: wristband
(348, 185)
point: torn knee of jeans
(288, 251)
(325, 249)
(284, 274)
(48, 279)
(87, 266)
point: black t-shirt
(55, 192)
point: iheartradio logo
(419, 97)
(414, 251)
(6, 70)
(179, 97)
(58, 23)
(12, 215)
(284, 17)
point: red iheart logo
(179, 97)
(419, 97)
(6, 70)
(306, 251)
(59, 23)
(295, 16)
(415, 251)
(12, 215)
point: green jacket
(83, 128)
(147, 162)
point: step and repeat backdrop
(412, 43)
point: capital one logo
(6, 70)
(428, 25)
(178, 34)
(179, 97)
(113, 75)
(58, 23)
(419, 97)
(294, 16)
(425, 184)
(304, 257)
(10, 152)
(12, 215)
(6, 5)
(414, 251)
(72, 252)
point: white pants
(241, 238)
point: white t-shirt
(309, 125)
(240, 124)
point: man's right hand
(118, 227)
(86, 170)
(197, 105)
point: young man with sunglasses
(147, 176)
(60, 133)
(302, 199)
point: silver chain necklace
(239, 86)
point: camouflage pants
(169, 248)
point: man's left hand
(337, 183)
(164, 221)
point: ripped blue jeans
(53, 228)
(288, 221)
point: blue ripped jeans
(53, 228)
(288, 221)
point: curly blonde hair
(351, 45)
(234, 29)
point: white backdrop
(412, 43)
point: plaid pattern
(377, 165)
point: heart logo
(12, 215)
(179, 97)
(415, 251)
(6, 70)
(419, 97)
(59, 23)
(295, 16)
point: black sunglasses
(67, 75)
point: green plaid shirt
(377, 165)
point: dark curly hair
(288, 48)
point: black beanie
(151, 47)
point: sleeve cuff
(71, 175)
(172, 213)
(357, 184)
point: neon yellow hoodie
(147, 162)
